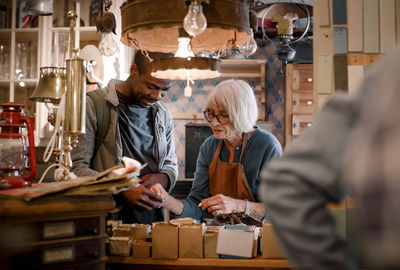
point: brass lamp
(70, 82)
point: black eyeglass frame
(207, 113)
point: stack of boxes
(184, 238)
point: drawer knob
(94, 255)
(294, 125)
(309, 102)
(309, 124)
(309, 79)
(94, 231)
(294, 102)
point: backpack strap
(103, 115)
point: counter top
(200, 263)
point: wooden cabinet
(54, 232)
(299, 100)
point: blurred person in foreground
(354, 143)
(140, 127)
(229, 162)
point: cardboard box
(236, 241)
(210, 240)
(140, 231)
(141, 249)
(124, 230)
(255, 243)
(191, 241)
(120, 246)
(165, 240)
(270, 248)
(183, 221)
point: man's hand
(149, 180)
(159, 190)
(142, 197)
(220, 204)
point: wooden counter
(115, 262)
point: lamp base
(15, 181)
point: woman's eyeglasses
(221, 118)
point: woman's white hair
(238, 100)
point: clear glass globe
(107, 45)
(195, 22)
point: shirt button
(237, 147)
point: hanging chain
(143, 51)
(230, 43)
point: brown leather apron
(228, 178)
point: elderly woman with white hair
(229, 162)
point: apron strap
(245, 138)
(213, 164)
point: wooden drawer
(303, 102)
(14, 234)
(300, 123)
(69, 255)
(302, 79)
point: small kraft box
(165, 241)
(140, 231)
(120, 246)
(236, 240)
(141, 249)
(269, 245)
(123, 230)
(191, 240)
(210, 242)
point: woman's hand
(220, 204)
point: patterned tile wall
(177, 102)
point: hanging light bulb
(184, 48)
(250, 47)
(106, 24)
(107, 45)
(195, 22)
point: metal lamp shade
(39, 7)
(51, 85)
(177, 68)
(155, 24)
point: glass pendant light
(250, 47)
(195, 22)
(107, 45)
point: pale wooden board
(355, 25)
(371, 26)
(325, 74)
(387, 10)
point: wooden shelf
(203, 262)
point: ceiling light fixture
(106, 24)
(153, 25)
(284, 12)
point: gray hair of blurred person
(238, 100)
